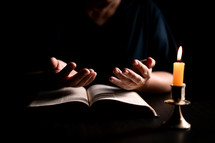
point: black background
(191, 24)
(181, 17)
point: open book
(95, 94)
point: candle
(178, 69)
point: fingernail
(92, 70)
(86, 72)
(125, 71)
(71, 65)
(135, 62)
(117, 70)
(111, 79)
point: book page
(59, 96)
(106, 92)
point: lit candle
(178, 70)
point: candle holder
(177, 120)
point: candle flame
(179, 54)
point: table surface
(115, 129)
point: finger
(136, 78)
(141, 68)
(66, 70)
(91, 79)
(116, 81)
(54, 62)
(127, 85)
(78, 77)
(149, 62)
(88, 79)
(153, 62)
(134, 67)
(118, 73)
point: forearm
(159, 82)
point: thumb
(150, 62)
(54, 62)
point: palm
(58, 65)
(67, 76)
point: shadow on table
(68, 122)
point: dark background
(181, 17)
(191, 24)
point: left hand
(134, 78)
(65, 74)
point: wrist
(159, 82)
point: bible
(98, 96)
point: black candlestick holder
(177, 120)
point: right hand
(66, 76)
(136, 77)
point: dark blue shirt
(137, 30)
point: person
(126, 43)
